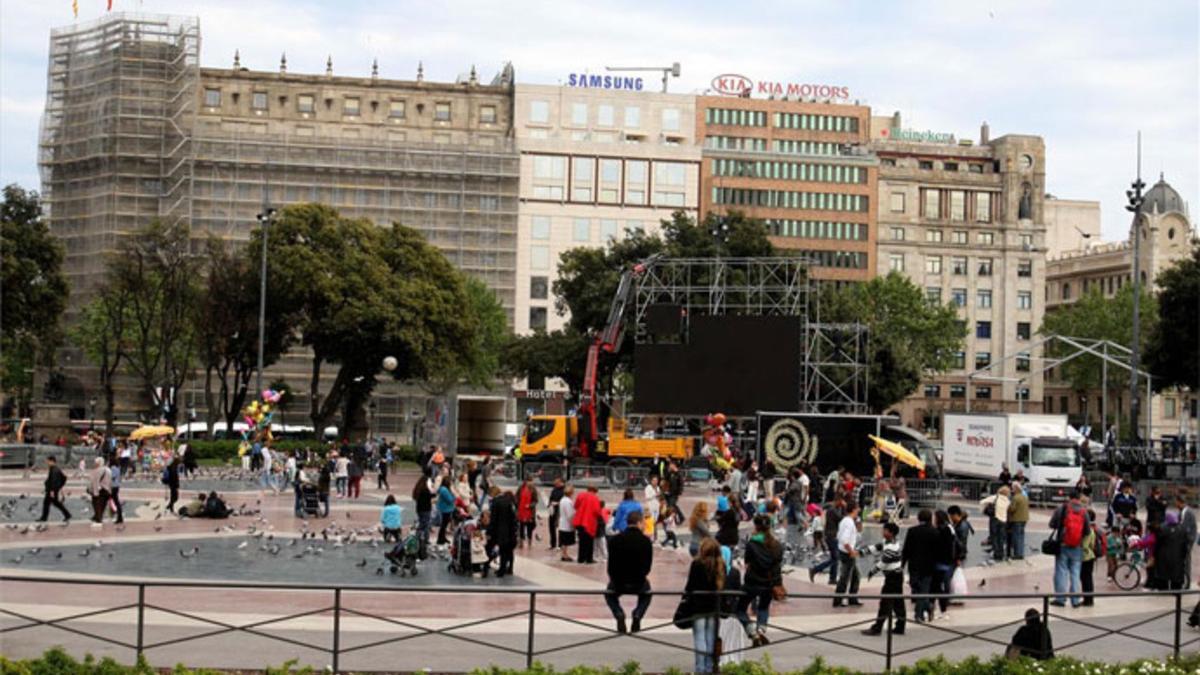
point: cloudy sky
(1084, 75)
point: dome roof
(1162, 198)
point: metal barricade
(623, 476)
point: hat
(722, 503)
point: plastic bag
(958, 582)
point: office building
(965, 222)
(135, 129)
(1167, 236)
(799, 165)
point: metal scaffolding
(834, 355)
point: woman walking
(764, 559)
(706, 577)
(698, 527)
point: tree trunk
(314, 397)
(210, 404)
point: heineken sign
(915, 136)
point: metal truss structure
(834, 354)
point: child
(891, 566)
(1116, 550)
(666, 521)
(816, 527)
(602, 533)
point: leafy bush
(226, 449)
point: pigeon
(982, 583)
(85, 553)
(58, 556)
(243, 545)
(349, 515)
(361, 564)
(293, 542)
(189, 554)
(17, 560)
(158, 528)
(379, 571)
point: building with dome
(1167, 234)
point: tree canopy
(909, 337)
(1173, 347)
(33, 287)
(1098, 317)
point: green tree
(158, 277)
(227, 331)
(1097, 317)
(103, 334)
(1173, 348)
(909, 337)
(358, 293)
(33, 291)
(561, 354)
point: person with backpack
(55, 480)
(1069, 525)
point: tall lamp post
(92, 419)
(264, 222)
(1135, 206)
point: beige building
(1167, 235)
(1071, 225)
(134, 129)
(965, 222)
(595, 163)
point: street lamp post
(92, 419)
(1135, 206)
(264, 221)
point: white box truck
(978, 445)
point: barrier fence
(538, 616)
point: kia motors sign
(732, 84)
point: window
(958, 297)
(925, 165)
(887, 161)
(950, 166)
(539, 257)
(897, 234)
(582, 231)
(983, 392)
(933, 295)
(958, 205)
(538, 287)
(487, 114)
(610, 171)
(583, 170)
(933, 391)
(985, 267)
(897, 202)
(539, 227)
(983, 207)
(1066, 291)
(670, 119)
(537, 318)
(975, 168)
(1024, 300)
(579, 114)
(351, 106)
(547, 192)
(983, 298)
(633, 117)
(933, 264)
(669, 173)
(983, 359)
(896, 262)
(635, 182)
(933, 236)
(539, 112)
(1024, 268)
(958, 237)
(985, 238)
(958, 266)
(1023, 363)
(1022, 393)
(1023, 330)
(983, 330)
(258, 100)
(604, 115)
(212, 97)
(608, 230)
(305, 103)
(958, 390)
(1170, 410)
(441, 111)
(931, 204)
(397, 109)
(1026, 241)
(549, 167)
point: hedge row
(57, 662)
(227, 449)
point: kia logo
(731, 84)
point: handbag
(685, 614)
(1051, 546)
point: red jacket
(525, 504)
(587, 512)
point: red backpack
(1073, 524)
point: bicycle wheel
(1127, 576)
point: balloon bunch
(717, 441)
(257, 416)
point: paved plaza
(269, 546)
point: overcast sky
(1084, 75)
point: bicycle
(1128, 574)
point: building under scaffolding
(134, 129)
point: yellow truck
(550, 438)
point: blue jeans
(704, 630)
(922, 607)
(1016, 541)
(761, 599)
(831, 563)
(1067, 566)
(340, 484)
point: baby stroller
(468, 553)
(310, 500)
(403, 556)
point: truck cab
(551, 438)
(1048, 460)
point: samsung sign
(585, 81)
(732, 84)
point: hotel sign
(732, 84)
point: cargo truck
(980, 445)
